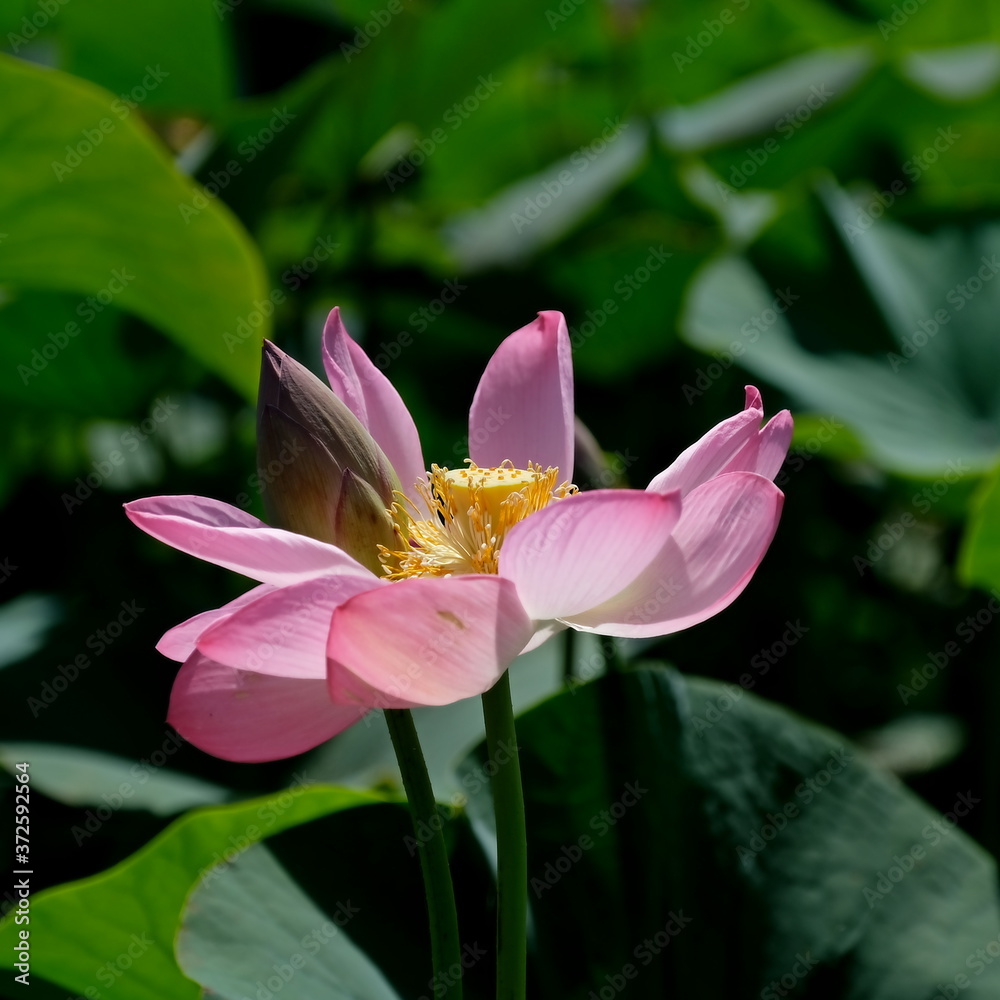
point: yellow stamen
(471, 511)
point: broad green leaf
(253, 927)
(118, 927)
(81, 777)
(959, 73)
(742, 214)
(756, 103)
(163, 55)
(914, 414)
(673, 817)
(537, 210)
(92, 205)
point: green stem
(512, 843)
(446, 949)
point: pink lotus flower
(489, 560)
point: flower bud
(361, 523)
(321, 473)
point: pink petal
(523, 408)
(425, 641)
(775, 439)
(284, 633)
(734, 445)
(179, 642)
(372, 399)
(543, 632)
(724, 530)
(229, 537)
(249, 717)
(579, 552)
(710, 455)
(765, 452)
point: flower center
(471, 511)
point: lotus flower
(464, 569)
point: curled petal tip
(754, 401)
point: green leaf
(166, 54)
(673, 817)
(756, 103)
(92, 205)
(919, 410)
(253, 925)
(979, 557)
(24, 625)
(81, 777)
(118, 927)
(958, 73)
(536, 211)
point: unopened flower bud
(321, 472)
(361, 523)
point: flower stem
(446, 948)
(512, 843)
